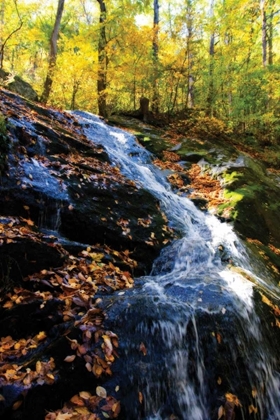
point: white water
(189, 279)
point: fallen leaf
(70, 359)
(232, 398)
(143, 349)
(116, 409)
(219, 338)
(254, 393)
(101, 392)
(41, 336)
(77, 400)
(88, 367)
(85, 395)
(221, 412)
(252, 409)
(16, 405)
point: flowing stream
(191, 331)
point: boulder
(18, 85)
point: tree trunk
(53, 53)
(264, 32)
(270, 42)
(4, 42)
(190, 85)
(155, 101)
(270, 30)
(75, 89)
(210, 97)
(102, 62)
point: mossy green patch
(230, 177)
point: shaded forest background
(219, 58)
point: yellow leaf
(38, 366)
(41, 336)
(85, 395)
(101, 392)
(254, 393)
(8, 305)
(232, 398)
(64, 416)
(70, 359)
(108, 345)
(97, 370)
(83, 411)
(252, 409)
(116, 408)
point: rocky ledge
(71, 230)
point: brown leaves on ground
(74, 285)
(13, 229)
(85, 406)
(205, 187)
(13, 373)
(201, 186)
(89, 170)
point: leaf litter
(74, 286)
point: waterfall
(190, 331)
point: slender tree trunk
(53, 53)
(210, 97)
(270, 30)
(3, 42)
(102, 62)
(190, 85)
(264, 32)
(155, 101)
(75, 89)
(270, 41)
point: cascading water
(189, 331)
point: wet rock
(64, 182)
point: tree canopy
(221, 57)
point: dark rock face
(59, 196)
(61, 180)
(20, 86)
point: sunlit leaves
(42, 374)
(86, 406)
